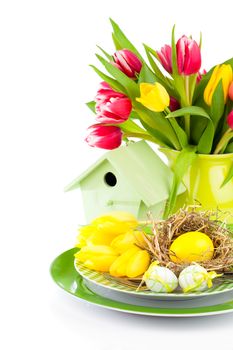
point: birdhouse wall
(155, 210)
(105, 190)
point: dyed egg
(191, 247)
(196, 278)
(160, 279)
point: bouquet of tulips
(169, 100)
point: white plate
(100, 279)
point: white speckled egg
(196, 278)
(160, 279)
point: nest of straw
(164, 232)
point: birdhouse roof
(141, 168)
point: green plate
(64, 274)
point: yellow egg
(191, 247)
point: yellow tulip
(132, 263)
(113, 225)
(221, 72)
(98, 257)
(125, 241)
(104, 229)
(154, 97)
(121, 216)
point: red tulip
(127, 62)
(188, 56)
(230, 120)
(112, 107)
(174, 104)
(200, 75)
(103, 136)
(230, 91)
(165, 57)
(104, 91)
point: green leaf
(146, 75)
(116, 43)
(230, 61)
(178, 79)
(217, 104)
(157, 135)
(182, 163)
(109, 57)
(122, 40)
(229, 177)
(158, 122)
(229, 148)
(206, 141)
(131, 87)
(180, 133)
(166, 82)
(200, 87)
(130, 126)
(174, 55)
(112, 82)
(193, 110)
(154, 66)
(91, 105)
(134, 115)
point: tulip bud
(97, 257)
(230, 91)
(188, 56)
(127, 62)
(221, 72)
(174, 104)
(115, 223)
(103, 136)
(165, 57)
(127, 240)
(154, 97)
(112, 107)
(230, 120)
(132, 263)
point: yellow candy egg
(190, 247)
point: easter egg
(191, 247)
(196, 278)
(160, 279)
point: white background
(45, 80)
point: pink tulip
(174, 104)
(103, 136)
(127, 62)
(230, 91)
(230, 120)
(200, 75)
(112, 107)
(188, 56)
(165, 57)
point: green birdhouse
(131, 178)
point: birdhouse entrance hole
(110, 179)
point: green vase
(203, 181)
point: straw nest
(164, 232)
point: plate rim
(156, 295)
(106, 303)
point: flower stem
(175, 126)
(187, 116)
(223, 141)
